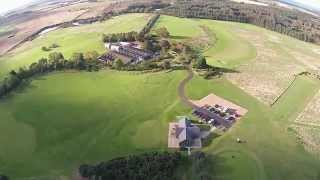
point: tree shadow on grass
(213, 72)
(179, 37)
(25, 86)
(209, 139)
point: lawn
(76, 39)
(229, 50)
(62, 120)
(270, 151)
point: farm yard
(130, 112)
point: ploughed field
(62, 120)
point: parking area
(217, 111)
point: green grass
(76, 39)
(179, 28)
(296, 97)
(229, 50)
(65, 119)
(270, 151)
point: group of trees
(116, 37)
(146, 7)
(293, 23)
(155, 165)
(146, 29)
(54, 62)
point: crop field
(76, 39)
(64, 119)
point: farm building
(129, 52)
(184, 134)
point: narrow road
(182, 86)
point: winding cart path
(182, 86)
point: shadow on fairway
(179, 37)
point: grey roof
(186, 131)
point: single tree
(118, 64)
(162, 32)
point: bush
(44, 48)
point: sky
(310, 3)
(7, 5)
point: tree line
(146, 7)
(154, 165)
(133, 35)
(55, 62)
(296, 24)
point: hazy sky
(6, 5)
(312, 3)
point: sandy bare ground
(212, 100)
(274, 67)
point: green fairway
(270, 150)
(76, 39)
(65, 119)
(229, 51)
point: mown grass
(228, 51)
(76, 39)
(65, 119)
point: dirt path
(182, 86)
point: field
(44, 14)
(65, 119)
(77, 39)
(307, 125)
(259, 55)
(62, 120)
(270, 150)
